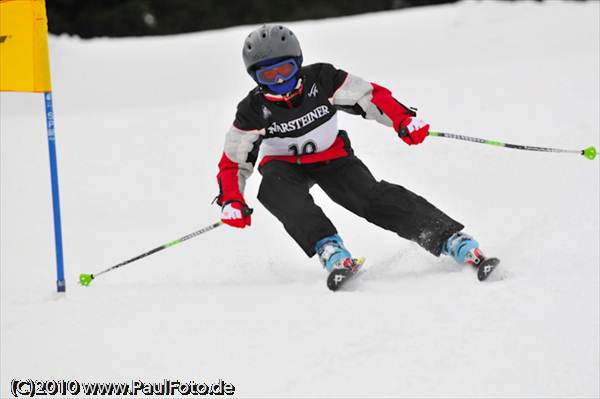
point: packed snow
(140, 125)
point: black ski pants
(284, 191)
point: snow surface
(140, 126)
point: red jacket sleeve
(392, 108)
(357, 96)
(240, 151)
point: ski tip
(338, 277)
(486, 268)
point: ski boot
(336, 259)
(465, 251)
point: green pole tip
(590, 152)
(85, 279)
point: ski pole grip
(247, 211)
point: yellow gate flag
(24, 64)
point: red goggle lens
(269, 74)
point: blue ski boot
(336, 259)
(332, 252)
(465, 251)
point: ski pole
(589, 153)
(86, 279)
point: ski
(486, 267)
(338, 277)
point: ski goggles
(283, 70)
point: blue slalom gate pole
(60, 272)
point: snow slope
(140, 127)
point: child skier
(291, 116)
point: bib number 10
(307, 148)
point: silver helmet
(268, 42)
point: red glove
(413, 130)
(236, 214)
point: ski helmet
(270, 41)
